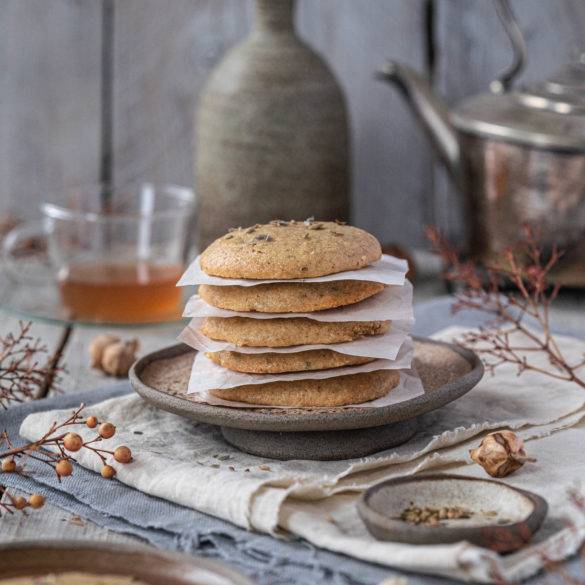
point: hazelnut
(97, 347)
(118, 357)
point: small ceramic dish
(135, 563)
(502, 518)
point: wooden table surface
(52, 522)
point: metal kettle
(517, 156)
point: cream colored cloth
(191, 465)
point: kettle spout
(432, 113)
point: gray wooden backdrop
(160, 51)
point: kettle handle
(504, 81)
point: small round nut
(107, 430)
(123, 454)
(20, 502)
(97, 347)
(91, 422)
(108, 472)
(119, 357)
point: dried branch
(526, 267)
(10, 503)
(22, 377)
(54, 447)
(556, 570)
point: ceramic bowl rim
(313, 419)
(537, 514)
(117, 550)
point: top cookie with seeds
(290, 249)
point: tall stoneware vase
(272, 136)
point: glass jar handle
(25, 256)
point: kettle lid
(548, 114)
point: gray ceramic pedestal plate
(447, 372)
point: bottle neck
(275, 16)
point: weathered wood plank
(162, 55)
(82, 377)
(164, 52)
(49, 98)
(391, 160)
(472, 49)
(52, 522)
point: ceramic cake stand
(447, 372)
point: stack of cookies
(283, 317)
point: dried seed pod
(123, 454)
(500, 453)
(36, 501)
(8, 465)
(72, 442)
(263, 238)
(98, 346)
(64, 468)
(108, 472)
(107, 430)
(118, 357)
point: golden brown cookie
(339, 391)
(285, 332)
(290, 249)
(289, 297)
(278, 363)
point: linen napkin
(316, 500)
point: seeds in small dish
(432, 516)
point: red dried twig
(10, 503)
(54, 448)
(22, 377)
(526, 267)
(557, 569)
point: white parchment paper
(384, 346)
(393, 303)
(207, 375)
(388, 270)
(409, 387)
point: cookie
(278, 363)
(285, 332)
(289, 297)
(339, 391)
(290, 249)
